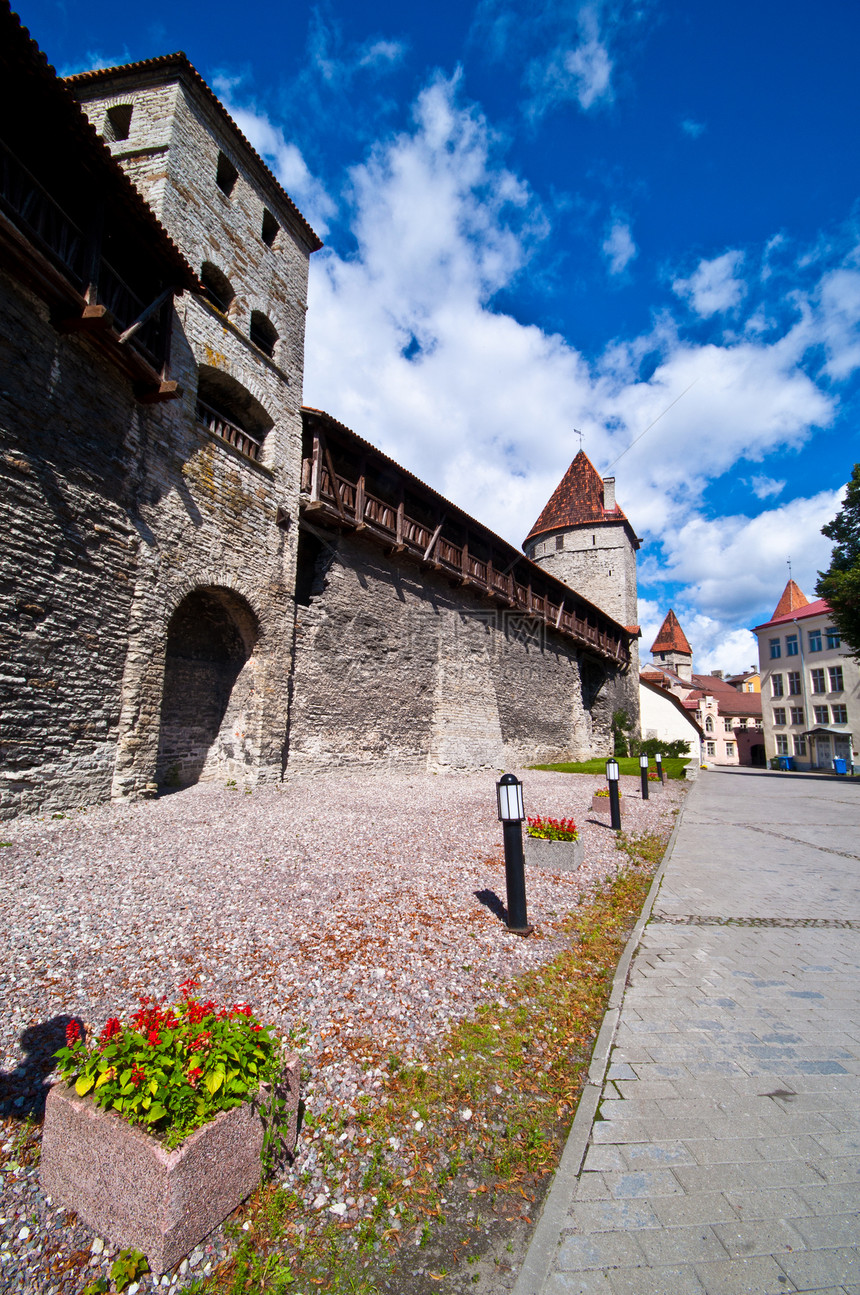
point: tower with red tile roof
(672, 649)
(584, 539)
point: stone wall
(395, 666)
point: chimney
(609, 494)
(717, 674)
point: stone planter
(564, 855)
(132, 1190)
(600, 804)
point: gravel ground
(364, 907)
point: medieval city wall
(599, 562)
(394, 666)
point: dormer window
(216, 287)
(117, 122)
(262, 333)
(226, 174)
(270, 228)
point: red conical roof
(792, 598)
(576, 501)
(671, 637)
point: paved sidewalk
(725, 1152)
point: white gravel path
(346, 903)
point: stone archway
(210, 702)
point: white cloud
(284, 158)
(618, 246)
(577, 69)
(714, 286)
(766, 487)
(693, 128)
(838, 308)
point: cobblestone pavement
(724, 1156)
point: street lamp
(643, 774)
(614, 802)
(509, 791)
(658, 760)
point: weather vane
(789, 568)
(578, 433)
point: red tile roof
(818, 608)
(792, 598)
(671, 637)
(576, 501)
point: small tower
(671, 648)
(583, 538)
(792, 598)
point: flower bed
(553, 843)
(163, 1124)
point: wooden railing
(349, 503)
(227, 431)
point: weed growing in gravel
(476, 1127)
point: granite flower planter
(132, 1190)
(564, 855)
(600, 804)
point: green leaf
(84, 1085)
(104, 1078)
(214, 1081)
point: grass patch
(481, 1120)
(627, 764)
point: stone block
(132, 1190)
(565, 856)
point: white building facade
(810, 686)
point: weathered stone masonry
(163, 521)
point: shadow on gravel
(490, 900)
(23, 1090)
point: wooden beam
(359, 496)
(400, 509)
(92, 319)
(94, 254)
(145, 314)
(333, 478)
(433, 538)
(315, 470)
(154, 395)
(560, 614)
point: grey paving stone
(592, 1187)
(588, 1283)
(643, 1154)
(725, 1151)
(647, 1183)
(710, 1178)
(781, 1173)
(604, 1157)
(744, 1277)
(777, 1203)
(832, 1198)
(840, 1169)
(829, 1230)
(681, 1245)
(813, 1269)
(688, 1211)
(613, 1131)
(759, 1237)
(676, 1280)
(598, 1250)
(603, 1216)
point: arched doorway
(209, 704)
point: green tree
(840, 583)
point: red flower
(193, 1075)
(111, 1029)
(187, 988)
(138, 1074)
(256, 1028)
(153, 1038)
(203, 1041)
(241, 1009)
(73, 1033)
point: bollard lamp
(612, 770)
(614, 802)
(643, 762)
(509, 791)
(643, 775)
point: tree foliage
(840, 583)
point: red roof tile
(792, 598)
(819, 608)
(576, 501)
(671, 637)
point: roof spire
(671, 638)
(578, 500)
(792, 598)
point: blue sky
(596, 215)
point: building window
(794, 683)
(775, 649)
(709, 725)
(776, 686)
(216, 287)
(821, 714)
(262, 333)
(730, 749)
(791, 645)
(779, 715)
(728, 724)
(742, 722)
(836, 684)
(781, 744)
(559, 542)
(834, 639)
(840, 714)
(226, 174)
(815, 640)
(799, 745)
(711, 748)
(797, 714)
(230, 412)
(117, 122)
(818, 684)
(270, 228)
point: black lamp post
(614, 802)
(509, 791)
(658, 760)
(643, 774)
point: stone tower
(584, 539)
(671, 648)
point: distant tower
(670, 648)
(583, 538)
